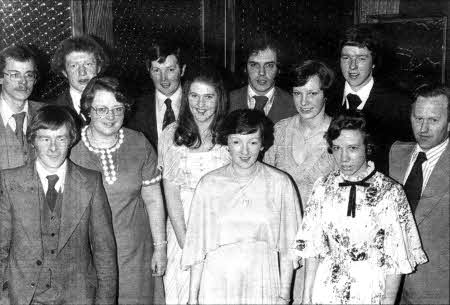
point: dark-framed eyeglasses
(103, 111)
(16, 75)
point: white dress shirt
(363, 94)
(43, 173)
(433, 156)
(76, 98)
(251, 100)
(161, 106)
(7, 115)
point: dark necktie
(169, 115)
(353, 101)
(260, 102)
(19, 118)
(351, 208)
(52, 194)
(413, 185)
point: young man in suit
(261, 92)
(386, 109)
(78, 59)
(18, 74)
(423, 168)
(57, 242)
(159, 108)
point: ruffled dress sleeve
(202, 227)
(311, 240)
(402, 246)
(170, 155)
(272, 154)
(150, 172)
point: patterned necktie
(351, 208)
(52, 194)
(169, 115)
(353, 101)
(260, 102)
(413, 185)
(19, 118)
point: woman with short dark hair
(358, 233)
(131, 178)
(242, 221)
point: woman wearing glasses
(131, 179)
(187, 150)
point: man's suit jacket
(387, 112)
(283, 104)
(10, 160)
(429, 284)
(143, 118)
(64, 99)
(86, 254)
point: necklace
(320, 130)
(106, 158)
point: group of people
(310, 197)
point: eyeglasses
(16, 76)
(102, 111)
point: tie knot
(353, 101)
(19, 117)
(168, 103)
(421, 157)
(52, 179)
(260, 101)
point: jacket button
(33, 284)
(47, 285)
(38, 262)
(52, 251)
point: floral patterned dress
(357, 253)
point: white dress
(183, 167)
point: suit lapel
(74, 203)
(399, 166)
(27, 204)
(151, 120)
(437, 186)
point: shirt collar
(269, 93)
(43, 173)
(6, 111)
(175, 97)
(431, 151)
(76, 98)
(363, 93)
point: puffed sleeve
(402, 246)
(202, 226)
(291, 217)
(150, 172)
(311, 240)
(170, 156)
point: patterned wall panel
(306, 29)
(43, 24)
(138, 23)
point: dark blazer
(66, 100)
(86, 254)
(283, 104)
(387, 112)
(429, 284)
(143, 118)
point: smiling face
(349, 151)
(262, 70)
(109, 124)
(80, 68)
(202, 98)
(52, 147)
(166, 76)
(244, 150)
(429, 120)
(356, 66)
(309, 98)
(16, 92)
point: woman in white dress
(242, 221)
(358, 233)
(187, 150)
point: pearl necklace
(109, 169)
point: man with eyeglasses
(18, 74)
(78, 59)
